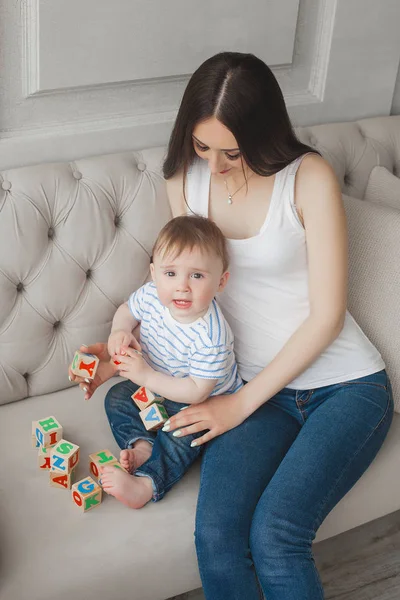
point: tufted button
(77, 175)
(56, 325)
(346, 179)
(25, 375)
(141, 166)
(6, 185)
(117, 221)
(20, 287)
(50, 232)
(88, 274)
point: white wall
(89, 77)
(396, 96)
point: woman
(317, 403)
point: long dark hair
(240, 91)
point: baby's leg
(170, 458)
(127, 426)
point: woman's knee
(220, 535)
(274, 535)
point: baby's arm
(188, 390)
(121, 330)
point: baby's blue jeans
(171, 456)
(267, 485)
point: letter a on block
(143, 398)
(61, 480)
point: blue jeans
(267, 485)
(171, 456)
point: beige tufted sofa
(75, 239)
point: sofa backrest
(75, 241)
(76, 238)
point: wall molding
(31, 68)
(88, 125)
(30, 47)
(322, 48)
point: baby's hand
(120, 338)
(132, 365)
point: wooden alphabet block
(143, 397)
(61, 480)
(48, 432)
(154, 416)
(100, 459)
(84, 365)
(44, 458)
(35, 441)
(86, 494)
(64, 456)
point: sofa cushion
(52, 550)
(374, 279)
(383, 188)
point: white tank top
(266, 298)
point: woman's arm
(320, 207)
(319, 202)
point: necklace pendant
(229, 199)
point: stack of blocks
(152, 412)
(60, 457)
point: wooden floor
(360, 564)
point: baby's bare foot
(132, 491)
(133, 458)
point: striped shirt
(202, 349)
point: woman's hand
(132, 365)
(218, 414)
(105, 369)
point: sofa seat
(55, 551)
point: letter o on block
(77, 498)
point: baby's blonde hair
(192, 231)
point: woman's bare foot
(131, 490)
(132, 458)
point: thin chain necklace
(230, 196)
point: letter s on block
(64, 448)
